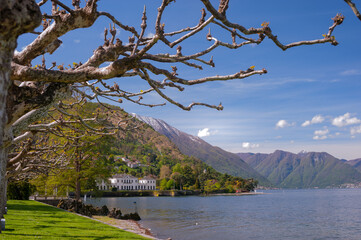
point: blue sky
(319, 84)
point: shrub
(20, 190)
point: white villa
(127, 182)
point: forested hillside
(137, 141)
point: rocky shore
(126, 225)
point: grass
(34, 220)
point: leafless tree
(27, 92)
(42, 145)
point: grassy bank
(34, 220)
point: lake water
(277, 214)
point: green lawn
(34, 220)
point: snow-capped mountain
(216, 157)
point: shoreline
(236, 194)
(126, 225)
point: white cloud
(204, 132)
(319, 137)
(314, 120)
(150, 35)
(317, 119)
(321, 134)
(283, 123)
(345, 120)
(355, 130)
(306, 123)
(351, 72)
(76, 40)
(248, 145)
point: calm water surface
(288, 214)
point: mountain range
(281, 169)
(303, 170)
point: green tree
(20, 190)
(196, 185)
(189, 177)
(212, 185)
(85, 165)
(177, 168)
(179, 180)
(163, 184)
(170, 184)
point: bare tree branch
(266, 30)
(354, 8)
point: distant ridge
(356, 163)
(304, 170)
(222, 161)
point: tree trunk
(6, 54)
(77, 180)
(77, 171)
(3, 158)
(16, 18)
